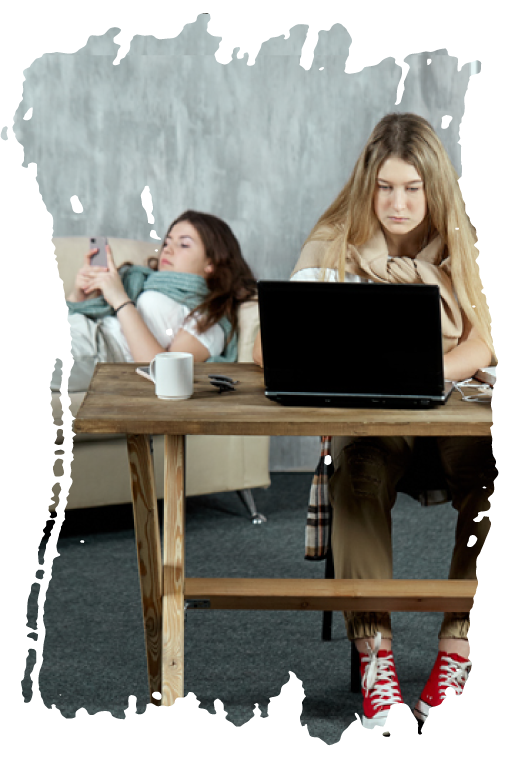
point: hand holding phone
(80, 290)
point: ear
(209, 268)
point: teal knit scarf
(186, 289)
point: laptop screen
(351, 338)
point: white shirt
(159, 313)
(314, 274)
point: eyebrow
(415, 181)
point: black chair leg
(327, 615)
(355, 673)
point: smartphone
(99, 259)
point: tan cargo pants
(363, 492)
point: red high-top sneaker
(449, 671)
(379, 684)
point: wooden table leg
(173, 609)
(149, 554)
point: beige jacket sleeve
(312, 255)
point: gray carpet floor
(94, 649)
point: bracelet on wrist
(123, 305)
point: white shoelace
(380, 671)
(455, 674)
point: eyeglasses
(484, 391)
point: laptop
(352, 344)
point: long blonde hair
(351, 218)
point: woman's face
(399, 201)
(184, 251)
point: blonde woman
(401, 219)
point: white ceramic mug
(173, 374)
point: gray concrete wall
(265, 147)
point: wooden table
(120, 401)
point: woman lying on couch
(185, 300)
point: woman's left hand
(109, 283)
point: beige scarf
(430, 266)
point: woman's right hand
(83, 279)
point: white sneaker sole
(379, 719)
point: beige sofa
(99, 469)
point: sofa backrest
(70, 252)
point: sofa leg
(247, 498)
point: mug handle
(152, 369)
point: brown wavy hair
(351, 218)
(230, 283)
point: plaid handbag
(318, 524)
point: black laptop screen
(351, 338)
